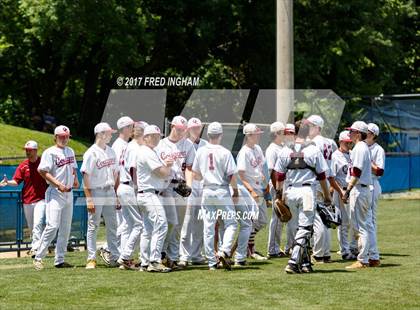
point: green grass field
(262, 285)
(14, 138)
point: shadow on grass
(395, 254)
(387, 265)
(330, 271)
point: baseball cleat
(374, 262)
(157, 267)
(276, 255)
(91, 264)
(38, 264)
(241, 264)
(126, 264)
(292, 269)
(183, 264)
(143, 268)
(213, 267)
(105, 255)
(257, 256)
(317, 260)
(349, 256)
(224, 259)
(307, 269)
(113, 264)
(357, 265)
(327, 259)
(199, 263)
(64, 265)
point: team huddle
(183, 200)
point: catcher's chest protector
(297, 159)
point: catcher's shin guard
(301, 246)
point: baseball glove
(183, 189)
(282, 211)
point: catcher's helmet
(330, 215)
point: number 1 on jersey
(211, 162)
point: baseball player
(215, 165)
(181, 150)
(151, 174)
(100, 180)
(191, 240)
(358, 180)
(322, 236)
(127, 191)
(125, 127)
(303, 167)
(33, 193)
(340, 160)
(58, 167)
(377, 154)
(250, 161)
(271, 154)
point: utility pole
(284, 61)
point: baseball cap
(124, 122)
(62, 131)
(277, 126)
(194, 122)
(250, 129)
(31, 145)
(215, 128)
(141, 124)
(359, 126)
(373, 128)
(344, 136)
(152, 129)
(315, 120)
(102, 127)
(179, 122)
(290, 128)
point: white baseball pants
(35, 218)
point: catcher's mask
(330, 215)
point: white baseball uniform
(322, 235)
(251, 161)
(276, 226)
(100, 165)
(377, 154)
(216, 164)
(128, 200)
(339, 166)
(300, 194)
(155, 226)
(360, 197)
(183, 154)
(191, 240)
(119, 146)
(61, 164)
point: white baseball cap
(277, 126)
(359, 126)
(344, 136)
(290, 128)
(141, 124)
(62, 131)
(102, 127)
(214, 128)
(250, 129)
(315, 120)
(31, 145)
(179, 122)
(373, 128)
(124, 122)
(152, 129)
(194, 122)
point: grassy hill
(13, 138)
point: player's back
(215, 163)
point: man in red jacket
(33, 192)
